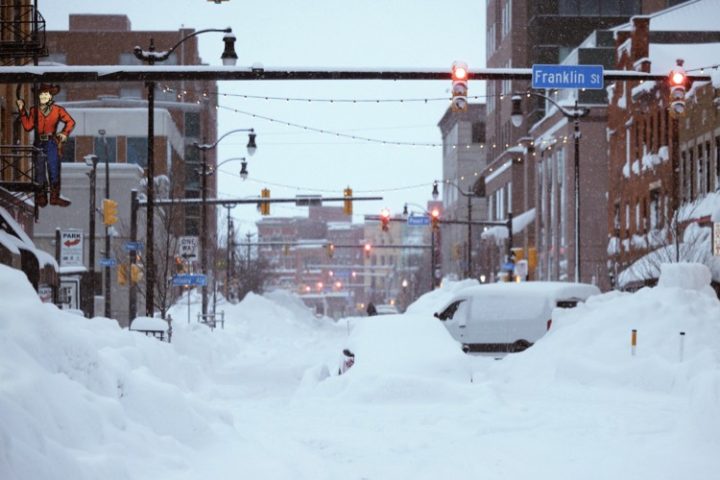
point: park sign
(567, 76)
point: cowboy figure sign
(50, 141)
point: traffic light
(136, 273)
(435, 218)
(179, 264)
(367, 248)
(678, 86)
(330, 249)
(122, 274)
(265, 206)
(459, 86)
(110, 212)
(385, 219)
(347, 204)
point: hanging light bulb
(243, 170)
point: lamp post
(576, 114)
(229, 57)
(106, 268)
(92, 161)
(432, 239)
(469, 195)
(204, 173)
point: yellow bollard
(633, 342)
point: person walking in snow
(371, 310)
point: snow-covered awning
(519, 224)
(15, 239)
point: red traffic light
(677, 77)
(459, 72)
(435, 213)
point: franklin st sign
(567, 76)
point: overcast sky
(325, 34)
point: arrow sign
(567, 76)
(417, 220)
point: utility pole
(107, 228)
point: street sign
(108, 262)
(133, 246)
(568, 76)
(716, 239)
(418, 220)
(188, 248)
(521, 269)
(308, 200)
(191, 279)
(71, 248)
(508, 266)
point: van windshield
(449, 312)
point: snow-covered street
(84, 399)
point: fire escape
(22, 41)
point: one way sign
(188, 248)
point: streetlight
(433, 216)
(92, 161)
(469, 195)
(106, 281)
(229, 57)
(576, 113)
(204, 173)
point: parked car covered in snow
(508, 317)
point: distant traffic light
(385, 219)
(367, 248)
(179, 264)
(122, 274)
(330, 250)
(265, 206)
(459, 86)
(435, 218)
(678, 82)
(110, 212)
(136, 273)
(347, 204)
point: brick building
(663, 167)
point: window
(68, 155)
(192, 124)
(137, 149)
(131, 92)
(106, 148)
(654, 209)
(478, 132)
(707, 160)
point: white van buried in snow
(508, 317)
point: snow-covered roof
(18, 240)
(693, 16)
(519, 224)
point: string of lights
(702, 69)
(206, 94)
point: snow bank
(591, 345)
(69, 386)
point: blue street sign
(417, 220)
(508, 266)
(192, 279)
(568, 76)
(108, 262)
(133, 246)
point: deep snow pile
(261, 398)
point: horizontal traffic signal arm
(322, 243)
(252, 201)
(137, 73)
(499, 223)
